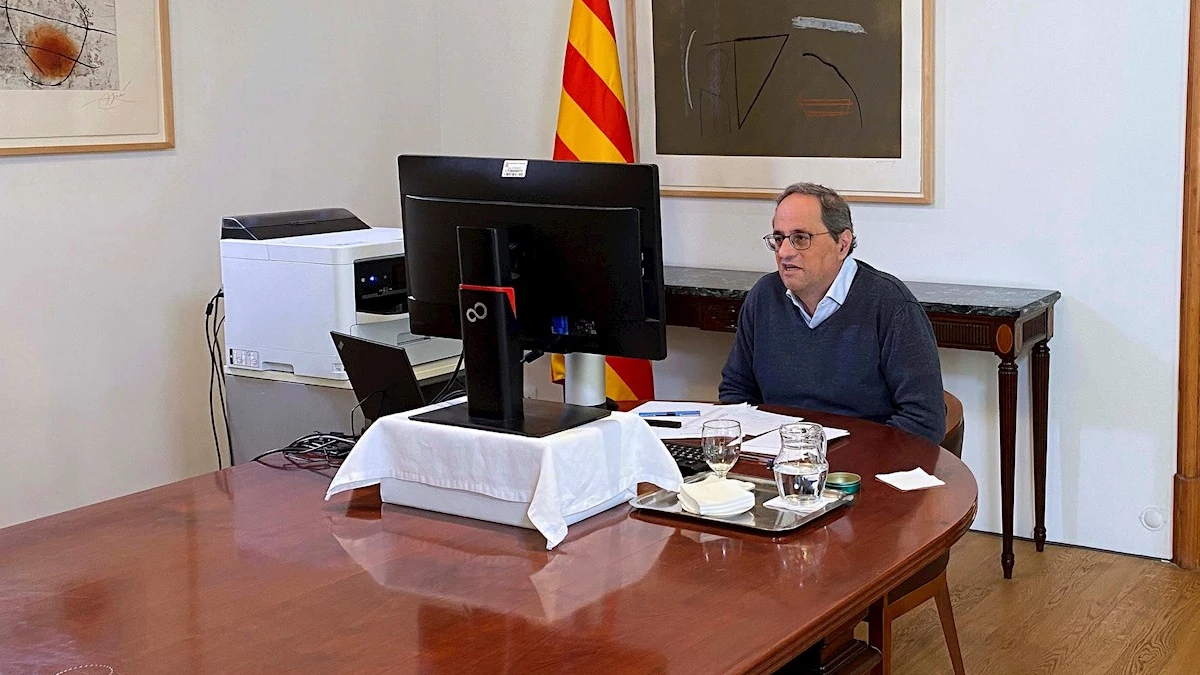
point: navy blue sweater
(875, 358)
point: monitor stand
(492, 349)
(540, 418)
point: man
(829, 333)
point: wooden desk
(248, 570)
(1004, 321)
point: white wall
(1059, 165)
(107, 260)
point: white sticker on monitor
(514, 168)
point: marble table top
(934, 297)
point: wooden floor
(1066, 611)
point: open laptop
(380, 374)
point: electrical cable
(314, 452)
(358, 406)
(451, 382)
(219, 349)
(447, 392)
(212, 372)
(537, 353)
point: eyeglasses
(799, 240)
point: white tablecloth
(557, 476)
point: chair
(929, 582)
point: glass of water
(801, 466)
(721, 442)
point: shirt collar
(840, 287)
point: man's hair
(835, 212)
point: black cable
(535, 354)
(453, 381)
(358, 406)
(220, 372)
(314, 452)
(450, 383)
(269, 452)
(212, 413)
(212, 371)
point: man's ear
(845, 239)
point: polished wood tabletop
(249, 570)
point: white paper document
(690, 424)
(768, 444)
(756, 422)
(669, 407)
(752, 420)
(916, 479)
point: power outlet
(243, 358)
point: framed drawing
(84, 76)
(736, 99)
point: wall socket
(244, 358)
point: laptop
(380, 374)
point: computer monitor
(380, 375)
(573, 250)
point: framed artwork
(737, 99)
(84, 76)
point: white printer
(290, 278)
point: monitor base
(542, 418)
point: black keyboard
(689, 457)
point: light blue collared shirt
(834, 297)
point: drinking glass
(721, 442)
(801, 466)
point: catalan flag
(594, 127)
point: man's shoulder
(881, 285)
(769, 286)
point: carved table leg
(1008, 455)
(1041, 403)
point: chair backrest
(954, 424)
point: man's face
(809, 272)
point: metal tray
(760, 518)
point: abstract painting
(68, 44)
(774, 82)
(84, 76)
(741, 99)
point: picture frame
(85, 76)
(693, 164)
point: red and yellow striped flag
(594, 127)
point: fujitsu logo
(477, 312)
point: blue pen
(671, 413)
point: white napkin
(916, 479)
(779, 503)
(717, 497)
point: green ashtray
(844, 481)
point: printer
(290, 278)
